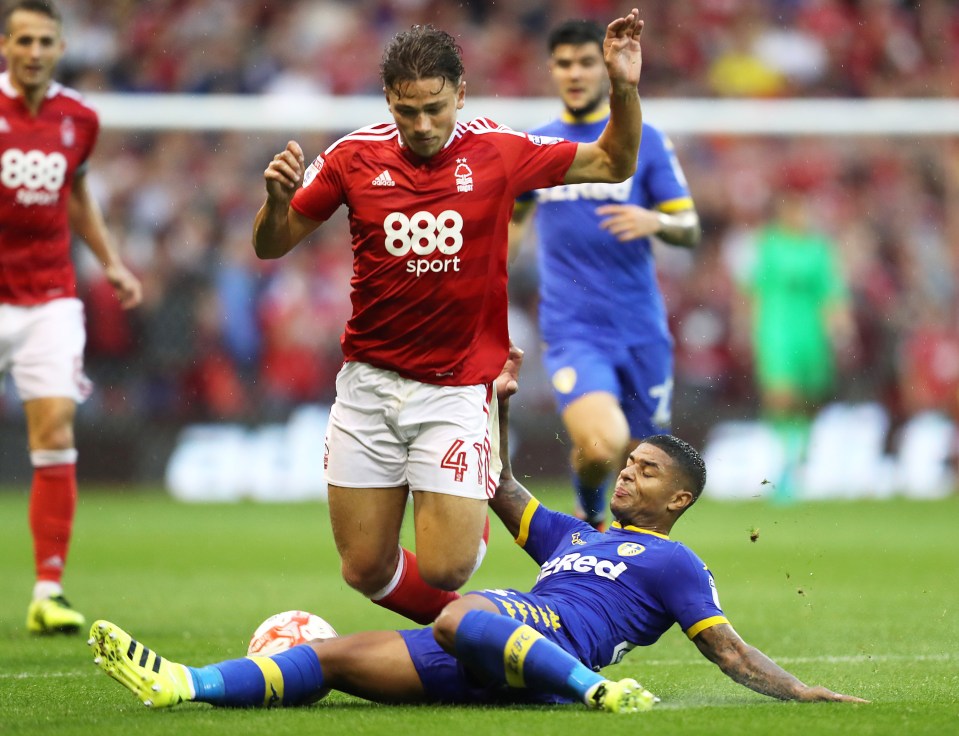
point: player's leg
(780, 375)
(599, 435)
(446, 556)
(449, 429)
(477, 633)
(47, 371)
(367, 480)
(53, 500)
(782, 410)
(646, 377)
(449, 533)
(373, 665)
(366, 528)
(587, 392)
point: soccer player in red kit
(46, 136)
(429, 202)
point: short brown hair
(43, 7)
(423, 52)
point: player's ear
(681, 500)
(461, 94)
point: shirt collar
(629, 528)
(7, 88)
(595, 116)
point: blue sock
(293, 677)
(517, 654)
(592, 499)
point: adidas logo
(384, 180)
(144, 656)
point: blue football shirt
(600, 594)
(593, 286)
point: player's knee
(444, 629)
(448, 622)
(54, 435)
(366, 576)
(601, 452)
(446, 574)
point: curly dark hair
(423, 52)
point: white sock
(46, 589)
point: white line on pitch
(828, 659)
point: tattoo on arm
(747, 665)
(510, 502)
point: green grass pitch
(861, 597)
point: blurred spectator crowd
(848, 48)
(222, 336)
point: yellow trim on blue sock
(273, 681)
(514, 654)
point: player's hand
(628, 221)
(819, 694)
(284, 175)
(621, 49)
(127, 287)
(507, 382)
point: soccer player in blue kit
(609, 353)
(598, 595)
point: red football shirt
(429, 243)
(39, 157)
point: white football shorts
(387, 431)
(42, 348)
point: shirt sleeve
(323, 190)
(689, 593)
(542, 530)
(664, 178)
(535, 161)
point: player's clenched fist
(285, 172)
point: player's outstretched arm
(612, 157)
(277, 228)
(511, 497)
(748, 666)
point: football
(281, 631)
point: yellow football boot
(156, 681)
(625, 696)
(53, 615)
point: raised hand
(621, 49)
(284, 175)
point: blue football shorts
(446, 680)
(639, 376)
